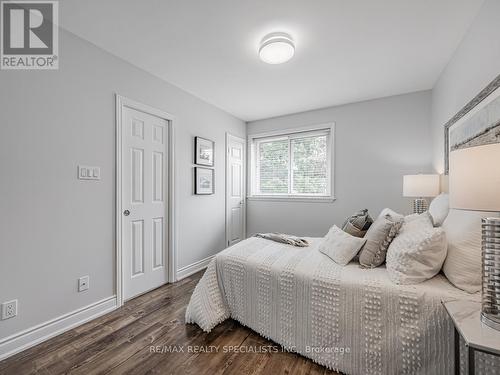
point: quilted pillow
(463, 262)
(439, 208)
(417, 253)
(378, 238)
(340, 246)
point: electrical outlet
(9, 309)
(83, 283)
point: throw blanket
(284, 238)
(348, 319)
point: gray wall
(55, 228)
(376, 143)
(475, 63)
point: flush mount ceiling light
(276, 48)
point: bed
(349, 319)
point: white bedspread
(349, 319)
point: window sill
(268, 198)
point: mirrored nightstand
(478, 337)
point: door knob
(126, 212)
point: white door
(144, 201)
(235, 189)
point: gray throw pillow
(378, 238)
(357, 225)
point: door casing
(122, 102)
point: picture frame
(204, 181)
(204, 151)
(477, 123)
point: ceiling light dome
(276, 48)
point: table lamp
(475, 185)
(419, 186)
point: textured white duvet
(349, 319)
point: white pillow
(393, 214)
(463, 263)
(439, 208)
(397, 216)
(340, 246)
(423, 216)
(417, 253)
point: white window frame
(253, 140)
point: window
(292, 165)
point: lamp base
(490, 323)
(419, 206)
(490, 306)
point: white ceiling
(346, 50)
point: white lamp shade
(421, 185)
(475, 178)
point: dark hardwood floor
(137, 338)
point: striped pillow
(357, 224)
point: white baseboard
(32, 336)
(193, 268)
(35, 335)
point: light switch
(89, 173)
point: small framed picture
(204, 181)
(204, 151)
